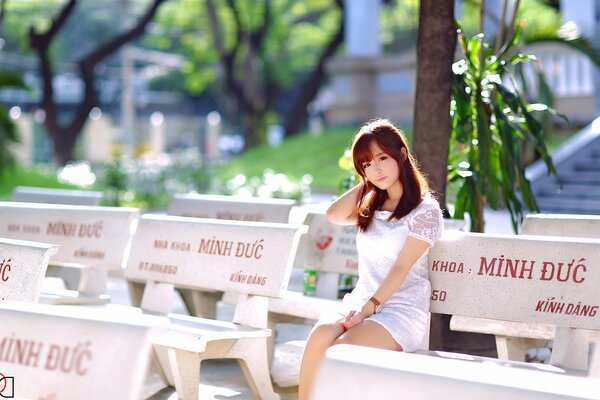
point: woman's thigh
(370, 334)
(325, 332)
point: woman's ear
(403, 154)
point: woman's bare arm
(413, 249)
(343, 210)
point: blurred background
(145, 98)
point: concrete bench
(22, 268)
(383, 374)
(92, 240)
(31, 194)
(231, 207)
(203, 303)
(249, 258)
(524, 279)
(514, 339)
(70, 353)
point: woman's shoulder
(428, 202)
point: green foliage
(490, 120)
(269, 185)
(150, 183)
(345, 163)
(296, 32)
(37, 176)
(9, 135)
(399, 22)
(295, 157)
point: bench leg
(570, 348)
(161, 358)
(185, 367)
(253, 360)
(513, 348)
(201, 304)
(136, 292)
(70, 275)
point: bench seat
(294, 305)
(445, 376)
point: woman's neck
(394, 194)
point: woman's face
(381, 170)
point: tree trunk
(436, 42)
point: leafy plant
(150, 183)
(490, 120)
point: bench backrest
(327, 247)
(332, 248)
(50, 352)
(517, 278)
(562, 225)
(56, 196)
(236, 256)
(22, 268)
(90, 236)
(231, 207)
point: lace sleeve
(427, 225)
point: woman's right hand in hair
(343, 209)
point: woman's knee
(324, 334)
(344, 339)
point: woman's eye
(367, 165)
(382, 158)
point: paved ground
(223, 379)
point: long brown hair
(392, 141)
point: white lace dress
(405, 314)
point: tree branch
(227, 57)
(298, 113)
(113, 45)
(43, 40)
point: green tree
(253, 52)
(9, 135)
(64, 134)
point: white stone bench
(31, 194)
(202, 303)
(514, 339)
(93, 241)
(71, 353)
(22, 268)
(502, 277)
(328, 249)
(249, 258)
(358, 373)
(231, 207)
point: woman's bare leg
(321, 338)
(370, 334)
